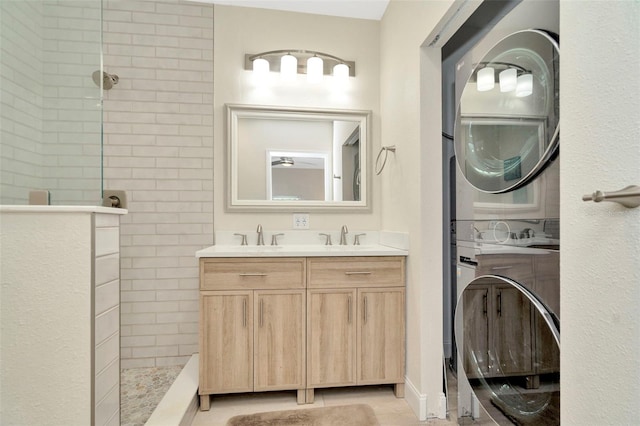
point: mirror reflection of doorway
(350, 152)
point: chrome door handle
(628, 197)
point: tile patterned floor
(389, 410)
(141, 389)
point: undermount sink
(300, 250)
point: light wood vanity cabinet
(300, 323)
(510, 339)
(252, 326)
(547, 285)
(505, 333)
(226, 342)
(355, 322)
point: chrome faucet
(260, 236)
(526, 233)
(343, 235)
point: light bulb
(341, 74)
(288, 67)
(260, 69)
(485, 79)
(508, 80)
(525, 85)
(315, 69)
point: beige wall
(411, 185)
(240, 30)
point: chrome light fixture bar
(331, 65)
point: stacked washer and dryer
(507, 316)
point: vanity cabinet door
(512, 332)
(475, 345)
(547, 286)
(381, 333)
(279, 339)
(497, 331)
(226, 342)
(331, 342)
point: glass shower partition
(50, 107)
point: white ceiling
(363, 9)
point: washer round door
(506, 128)
(509, 346)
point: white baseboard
(416, 400)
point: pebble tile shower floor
(141, 390)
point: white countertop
(59, 209)
(300, 251)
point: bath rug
(346, 415)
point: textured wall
(600, 295)
(46, 323)
(159, 148)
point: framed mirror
(507, 121)
(296, 159)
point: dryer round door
(509, 346)
(506, 128)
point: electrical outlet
(301, 221)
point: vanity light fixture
(341, 73)
(525, 85)
(260, 69)
(486, 79)
(292, 62)
(511, 77)
(315, 69)
(288, 67)
(508, 80)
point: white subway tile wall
(51, 114)
(158, 126)
(21, 100)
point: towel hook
(386, 150)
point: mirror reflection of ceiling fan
(283, 161)
(298, 162)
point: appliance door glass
(505, 136)
(509, 346)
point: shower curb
(179, 405)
